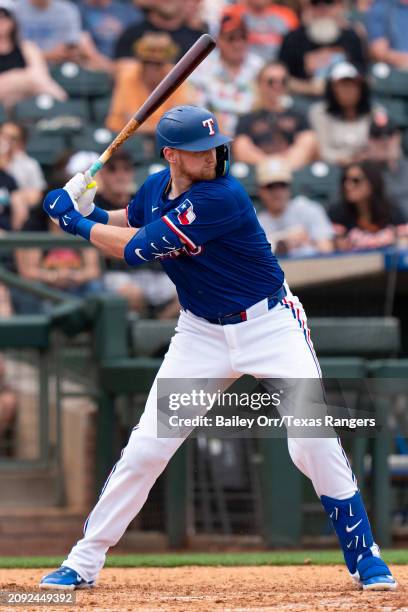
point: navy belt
(238, 317)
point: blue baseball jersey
(209, 242)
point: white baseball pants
(270, 344)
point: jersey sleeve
(135, 209)
(209, 212)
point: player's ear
(169, 154)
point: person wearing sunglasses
(272, 129)
(225, 81)
(318, 44)
(294, 226)
(365, 218)
(154, 55)
(342, 120)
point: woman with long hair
(272, 129)
(23, 71)
(342, 120)
(365, 218)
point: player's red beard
(205, 173)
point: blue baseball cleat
(64, 578)
(374, 575)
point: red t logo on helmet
(210, 124)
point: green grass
(330, 557)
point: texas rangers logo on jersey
(210, 124)
(186, 214)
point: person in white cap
(294, 226)
(342, 120)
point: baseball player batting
(238, 316)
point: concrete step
(39, 531)
(37, 487)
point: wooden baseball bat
(177, 75)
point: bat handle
(96, 166)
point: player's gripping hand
(57, 202)
(60, 207)
(82, 189)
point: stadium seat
(92, 138)
(319, 181)
(99, 109)
(149, 335)
(79, 82)
(353, 336)
(97, 138)
(46, 148)
(246, 175)
(44, 108)
(386, 81)
(397, 108)
(340, 337)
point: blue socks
(350, 522)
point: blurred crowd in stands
(314, 92)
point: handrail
(13, 240)
(13, 280)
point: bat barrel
(177, 75)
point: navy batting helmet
(191, 128)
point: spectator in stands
(365, 218)
(105, 20)
(272, 129)
(136, 78)
(225, 81)
(13, 214)
(14, 210)
(384, 146)
(195, 15)
(55, 26)
(342, 120)
(164, 16)
(267, 23)
(24, 169)
(75, 271)
(321, 41)
(387, 25)
(294, 226)
(23, 72)
(8, 410)
(148, 290)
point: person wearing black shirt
(23, 70)
(273, 130)
(164, 16)
(310, 51)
